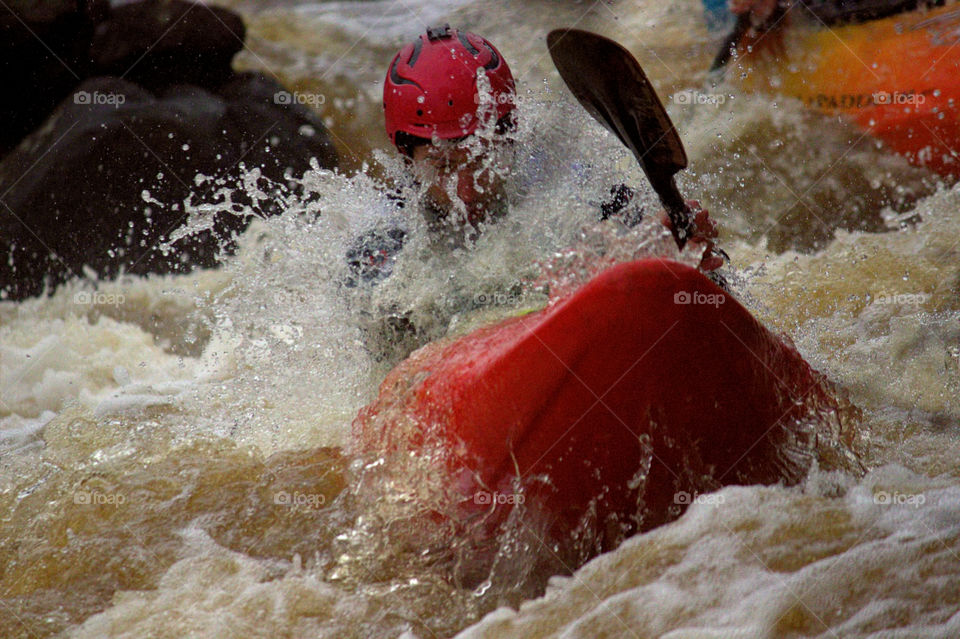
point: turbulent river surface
(172, 448)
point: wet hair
(407, 142)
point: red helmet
(431, 86)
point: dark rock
(47, 48)
(259, 110)
(71, 194)
(156, 43)
(44, 54)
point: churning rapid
(175, 450)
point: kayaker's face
(463, 170)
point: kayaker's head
(448, 98)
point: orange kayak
(897, 77)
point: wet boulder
(100, 185)
(273, 129)
(44, 54)
(47, 48)
(111, 114)
(156, 43)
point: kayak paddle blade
(610, 84)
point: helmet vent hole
(450, 102)
(420, 112)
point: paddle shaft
(730, 42)
(677, 210)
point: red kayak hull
(647, 384)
